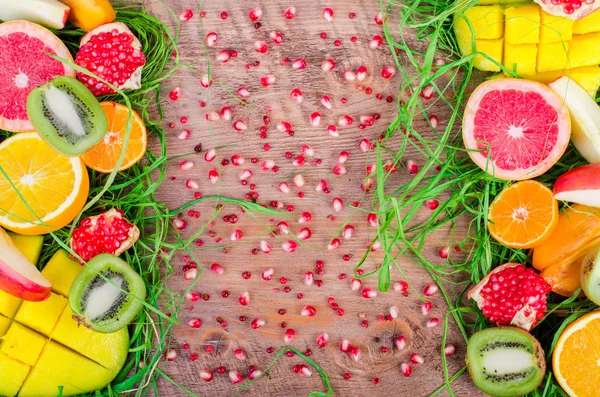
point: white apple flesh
(49, 13)
(585, 117)
(580, 185)
(18, 276)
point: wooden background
(301, 40)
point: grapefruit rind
(50, 40)
(486, 163)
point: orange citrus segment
(523, 215)
(54, 186)
(576, 357)
(104, 156)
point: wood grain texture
(301, 40)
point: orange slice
(104, 156)
(54, 186)
(523, 215)
(576, 357)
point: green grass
(466, 189)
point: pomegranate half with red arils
(109, 233)
(572, 9)
(512, 295)
(114, 54)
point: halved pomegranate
(109, 233)
(113, 53)
(572, 9)
(512, 294)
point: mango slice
(588, 77)
(42, 316)
(13, 374)
(552, 56)
(22, 344)
(487, 22)
(4, 325)
(522, 24)
(520, 58)
(588, 24)
(583, 50)
(555, 29)
(61, 271)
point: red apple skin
(21, 287)
(586, 177)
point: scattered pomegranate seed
(327, 65)
(430, 290)
(276, 37)
(260, 46)
(304, 234)
(309, 278)
(432, 204)
(210, 40)
(265, 247)
(315, 119)
(308, 311)
(184, 135)
(195, 323)
(206, 375)
(400, 343)
(289, 335)
(284, 227)
(296, 95)
(299, 161)
(235, 377)
(347, 232)
(267, 80)
(376, 41)
(339, 169)
(416, 358)
(289, 246)
(426, 307)
(244, 299)
(322, 340)
(349, 75)
(334, 244)
(345, 121)
(337, 204)
(299, 64)
(240, 354)
(443, 252)
(267, 274)
(364, 145)
(245, 174)
(290, 12)
(449, 350)
(369, 293)
(213, 176)
(186, 165)
(328, 14)
(355, 353)
(394, 311)
(427, 92)
(218, 269)
(387, 72)
(406, 369)
(254, 14)
(361, 73)
(257, 323)
(174, 94)
(192, 296)
(223, 56)
(434, 121)
(378, 18)
(186, 15)
(355, 284)
(267, 165)
(332, 130)
(345, 345)
(432, 322)
(412, 167)
(254, 374)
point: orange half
(576, 357)
(523, 215)
(104, 156)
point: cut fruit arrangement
(516, 130)
(64, 329)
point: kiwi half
(107, 306)
(590, 275)
(505, 361)
(67, 115)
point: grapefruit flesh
(24, 65)
(515, 129)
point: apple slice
(18, 276)
(580, 185)
(49, 13)
(585, 117)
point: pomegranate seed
(299, 64)
(190, 184)
(349, 75)
(254, 374)
(378, 18)
(328, 14)
(239, 125)
(195, 323)
(449, 350)
(345, 121)
(347, 376)
(309, 278)
(267, 165)
(443, 252)
(412, 167)
(434, 121)
(186, 165)
(289, 246)
(345, 345)
(260, 46)
(283, 187)
(332, 130)
(355, 353)
(211, 39)
(190, 274)
(284, 126)
(226, 113)
(267, 274)
(427, 92)
(394, 311)
(367, 120)
(372, 220)
(347, 232)
(387, 72)
(305, 217)
(265, 247)
(299, 161)
(283, 227)
(218, 269)
(245, 174)
(254, 14)
(192, 296)
(432, 322)
(416, 358)
(432, 204)
(235, 377)
(327, 65)
(289, 335)
(186, 15)
(361, 73)
(296, 95)
(322, 340)
(206, 375)
(400, 343)
(184, 135)
(406, 369)
(315, 119)
(400, 286)
(369, 293)
(290, 13)
(240, 354)
(257, 323)
(179, 224)
(308, 311)
(304, 370)
(174, 94)
(376, 41)
(276, 37)
(213, 176)
(303, 234)
(430, 290)
(364, 145)
(299, 181)
(334, 244)
(267, 80)
(339, 169)
(237, 160)
(337, 204)
(210, 155)
(223, 56)
(355, 284)
(326, 102)
(322, 185)
(426, 307)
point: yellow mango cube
(18, 371)
(42, 316)
(555, 28)
(4, 325)
(31, 246)
(22, 344)
(61, 271)
(9, 304)
(522, 24)
(520, 58)
(587, 24)
(492, 48)
(588, 77)
(583, 50)
(487, 22)
(552, 56)
(37, 385)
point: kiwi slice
(505, 361)
(67, 115)
(107, 306)
(590, 275)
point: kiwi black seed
(67, 115)
(505, 361)
(107, 295)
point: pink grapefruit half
(24, 65)
(515, 129)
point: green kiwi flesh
(505, 361)
(590, 276)
(102, 305)
(67, 115)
